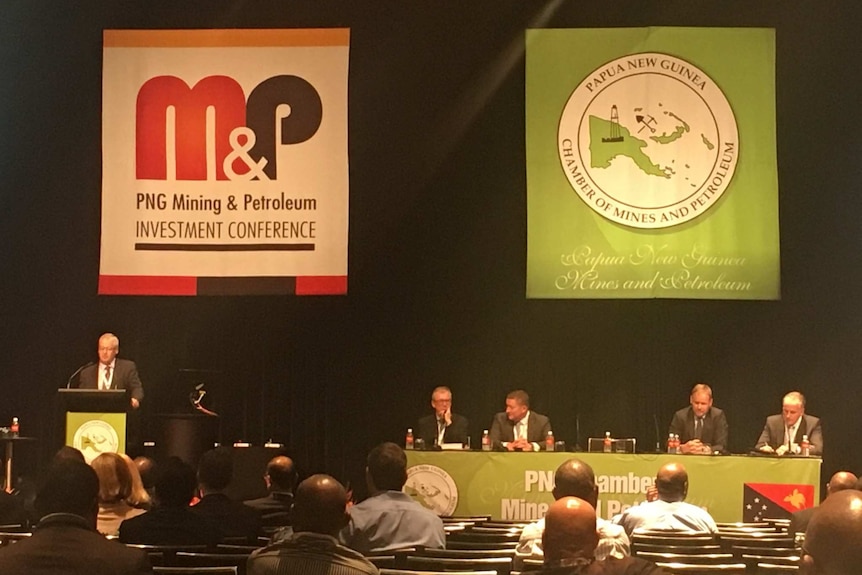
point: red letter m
(184, 133)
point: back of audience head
(115, 479)
(147, 469)
(671, 482)
(386, 468)
(138, 497)
(68, 452)
(574, 478)
(833, 540)
(175, 483)
(840, 481)
(215, 470)
(69, 486)
(281, 474)
(570, 530)
(320, 506)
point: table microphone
(77, 371)
(657, 436)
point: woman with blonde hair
(115, 487)
(139, 498)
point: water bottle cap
(409, 430)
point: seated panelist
(518, 428)
(783, 433)
(443, 426)
(701, 427)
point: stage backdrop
(225, 165)
(651, 167)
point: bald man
(833, 541)
(280, 479)
(839, 482)
(669, 512)
(570, 540)
(319, 513)
(574, 478)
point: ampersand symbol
(231, 202)
(240, 152)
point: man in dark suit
(444, 426)
(111, 372)
(234, 519)
(783, 433)
(171, 521)
(701, 427)
(839, 482)
(518, 428)
(281, 479)
(66, 540)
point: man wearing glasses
(443, 426)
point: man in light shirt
(669, 512)
(783, 433)
(574, 478)
(518, 428)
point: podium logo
(648, 140)
(433, 488)
(94, 438)
(209, 131)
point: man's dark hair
(282, 473)
(148, 469)
(175, 483)
(70, 486)
(215, 469)
(387, 466)
(68, 452)
(520, 396)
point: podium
(94, 421)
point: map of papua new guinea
(609, 139)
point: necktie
(107, 383)
(441, 429)
(698, 427)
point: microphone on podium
(657, 435)
(77, 371)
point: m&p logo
(210, 131)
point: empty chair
(501, 565)
(766, 568)
(455, 544)
(685, 569)
(185, 559)
(195, 570)
(697, 559)
(413, 572)
(683, 549)
(464, 553)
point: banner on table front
(225, 166)
(651, 164)
(518, 486)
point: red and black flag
(775, 500)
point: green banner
(518, 485)
(651, 163)
(96, 433)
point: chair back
(194, 570)
(699, 559)
(500, 565)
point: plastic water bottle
(486, 441)
(408, 441)
(606, 445)
(670, 443)
(805, 446)
(549, 441)
(14, 428)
